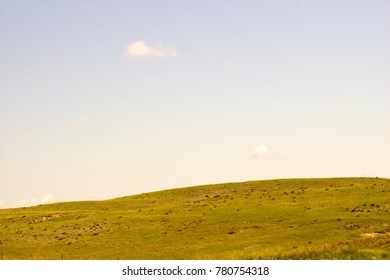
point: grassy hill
(340, 218)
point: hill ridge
(310, 218)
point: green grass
(340, 218)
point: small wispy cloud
(260, 151)
(141, 49)
(32, 201)
(28, 128)
(81, 121)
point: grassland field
(335, 218)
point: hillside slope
(338, 218)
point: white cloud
(47, 198)
(260, 151)
(2, 202)
(141, 49)
(26, 202)
(32, 201)
(81, 121)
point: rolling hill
(335, 218)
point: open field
(340, 218)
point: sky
(101, 99)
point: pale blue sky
(100, 99)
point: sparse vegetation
(275, 219)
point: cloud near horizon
(141, 49)
(260, 151)
(48, 198)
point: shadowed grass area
(338, 218)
